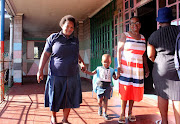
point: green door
(102, 35)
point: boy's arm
(115, 76)
(90, 73)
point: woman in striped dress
(131, 58)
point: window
(171, 1)
(35, 49)
(162, 3)
(174, 5)
(174, 11)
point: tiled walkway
(24, 105)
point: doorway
(147, 16)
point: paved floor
(24, 105)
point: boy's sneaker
(100, 111)
(105, 116)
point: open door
(147, 15)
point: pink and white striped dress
(131, 85)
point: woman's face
(135, 24)
(68, 28)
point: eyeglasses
(134, 23)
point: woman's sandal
(63, 122)
(131, 118)
(158, 122)
(53, 120)
(52, 123)
(122, 120)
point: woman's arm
(151, 52)
(81, 63)
(145, 65)
(120, 48)
(44, 58)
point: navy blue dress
(63, 85)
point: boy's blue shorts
(103, 92)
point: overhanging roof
(44, 15)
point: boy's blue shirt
(96, 77)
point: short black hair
(135, 17)
(67, 18)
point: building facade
(98, 34)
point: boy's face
(106, 61)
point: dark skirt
(63, 92)
(165, 77)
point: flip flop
(131, 118)
(63, 122)
(53, 120)
(158, 122)
(122, 120)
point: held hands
(119, 71)
(83, 68)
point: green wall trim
(35, 39)
(102, 35)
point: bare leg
(105, 104)
(100, 106)
(53, 117)
(131, 103)
(122, 118)
(100, 101)
(176, 108)
(66, 112)
(163, 108)
(123, 107)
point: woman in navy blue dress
(63, 86)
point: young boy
(103, 83)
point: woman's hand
(40, 76)
(82, 65)
(119, 71)
(147, 72)
(83, 68)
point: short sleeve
(152, 39)
(49, 43)
(96, 69)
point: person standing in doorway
(160, 50)
(63, 86)
(131, 60)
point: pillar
(17, 49)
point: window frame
(28, 55)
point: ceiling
(44, 15)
